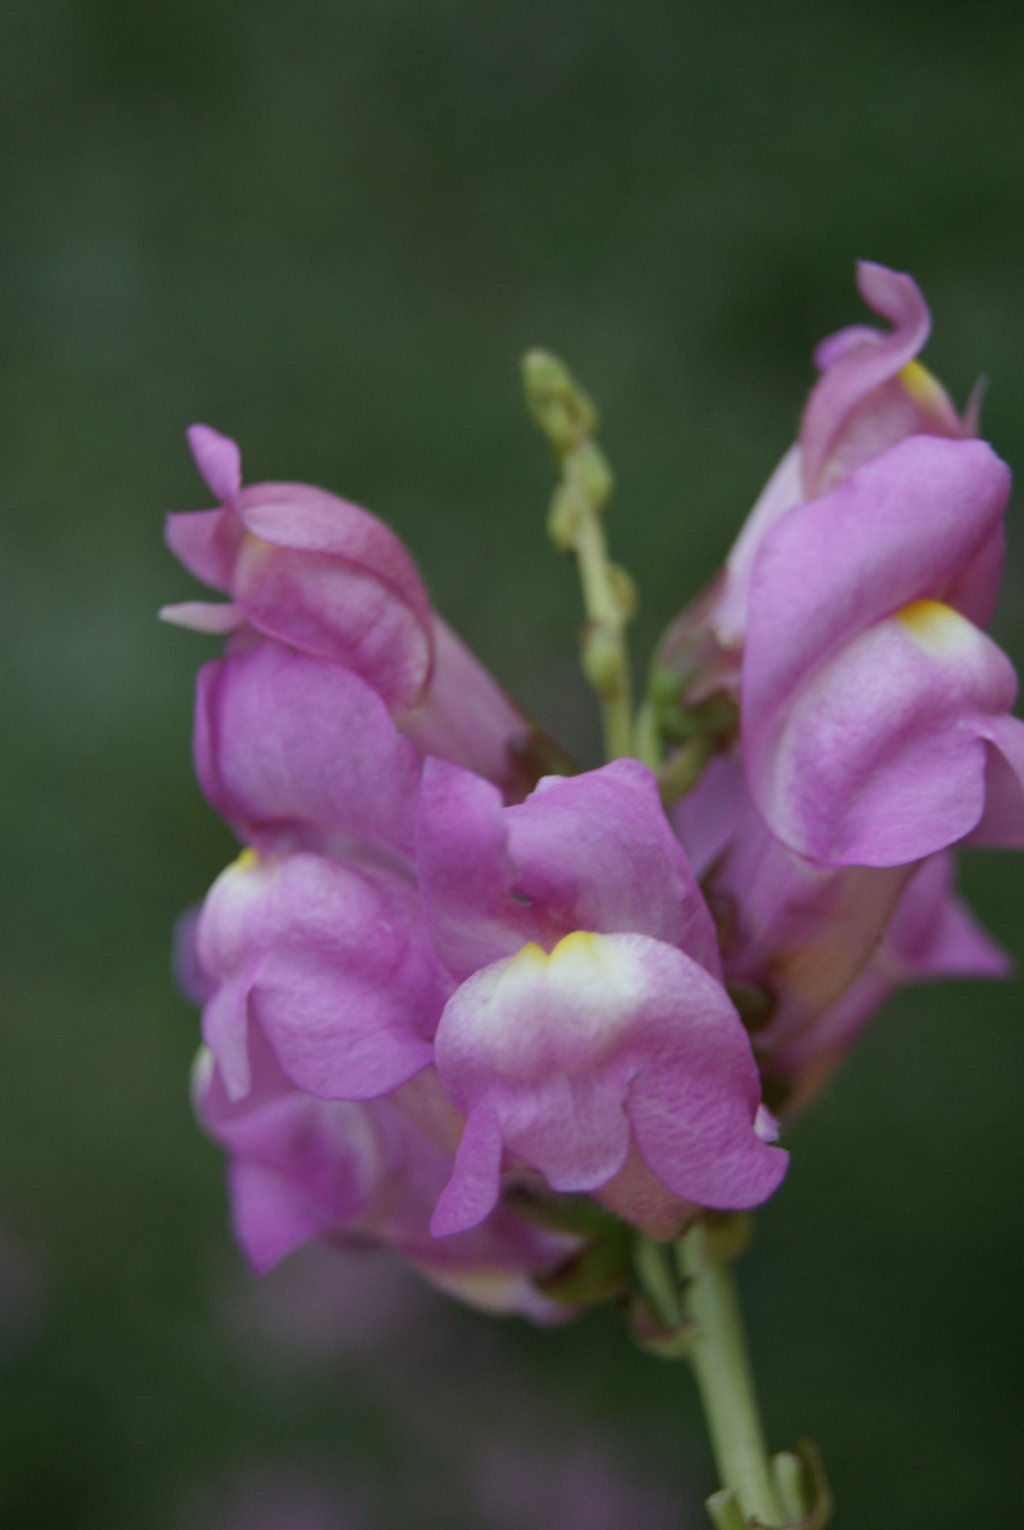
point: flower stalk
(569, 419)
(721, 1365)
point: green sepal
(599, 1271)
(567, 1213)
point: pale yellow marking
(923, 386)
(247, 861)
(579, 943)
(530, 955)
(937, 628)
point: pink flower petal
(284, 741)
(219, 461)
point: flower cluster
(463, 1002)
(847, 634)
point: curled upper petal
(872, 392)
(310, 570)
(560, 1060)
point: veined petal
(695, 1129)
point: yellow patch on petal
(530, 955)
(579, 943)
(247, 861)
(938, 629)
(923, 386)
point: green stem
(569, 420)
(719, 1357)
(605, 658)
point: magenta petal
(903, 528)
(206, 542)
(226, 1026)
(351, 594)
(1002, 823)
(465, 871)
(337, 1034)
(574, 1130)
(880, 759)
(861, 405)
(284, 740)
(590, 852)
(781, 493)
(707, 817)
(596, 852)
(464, 715)
(696, 1130)
(330, 962)
(834, 347)
(541, 1052)
(346, 588)
(218, 459)
(269, 1218)
(933, 934)
(299, 1166)
(472, 1191)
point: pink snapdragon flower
(553, 959)
(872, 394)
(591, 1041)
(306, 569)
(874, 710)
(423, 998)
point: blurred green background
(330, 229)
